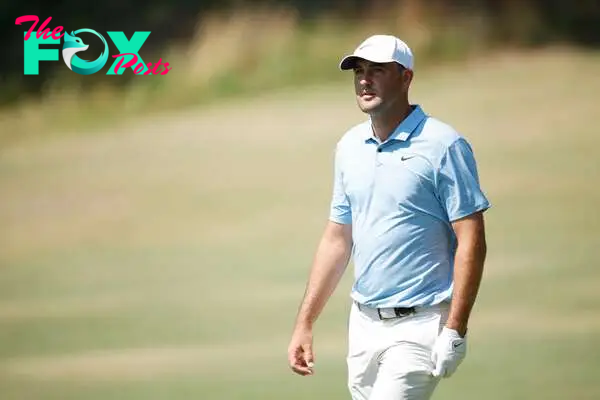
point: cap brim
(349, 61)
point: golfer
(408, 207)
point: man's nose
(365, 80)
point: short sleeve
(340, 210)
(458, 186)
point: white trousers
(391, 359)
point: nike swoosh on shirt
(404, 158)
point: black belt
(391, 312)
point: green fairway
(166, 259)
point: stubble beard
(371, 107)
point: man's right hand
(328, 267)
(300, 353)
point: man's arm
(329, 264)
(464, 201)
(468, 269)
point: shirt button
(379, 150)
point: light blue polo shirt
(400, 197)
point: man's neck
(384, 125)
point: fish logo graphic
(73, 45)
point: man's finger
(439, 369)
(301, 369)
(298, 364)
(308, 354)
(450, 370)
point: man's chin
(368, 106)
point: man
(408, 206)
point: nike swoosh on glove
(448, 352)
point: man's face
(380, 86)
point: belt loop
(357, 305)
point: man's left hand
(448, 352)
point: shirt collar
(405, 128)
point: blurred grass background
(222, 49)
(159, 250)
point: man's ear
(408, 76)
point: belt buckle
(383, 318)
(398, 312)
(404, 312)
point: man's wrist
(304, 324)
(461, 329)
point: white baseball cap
(380, 49)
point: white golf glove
(448, 352)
